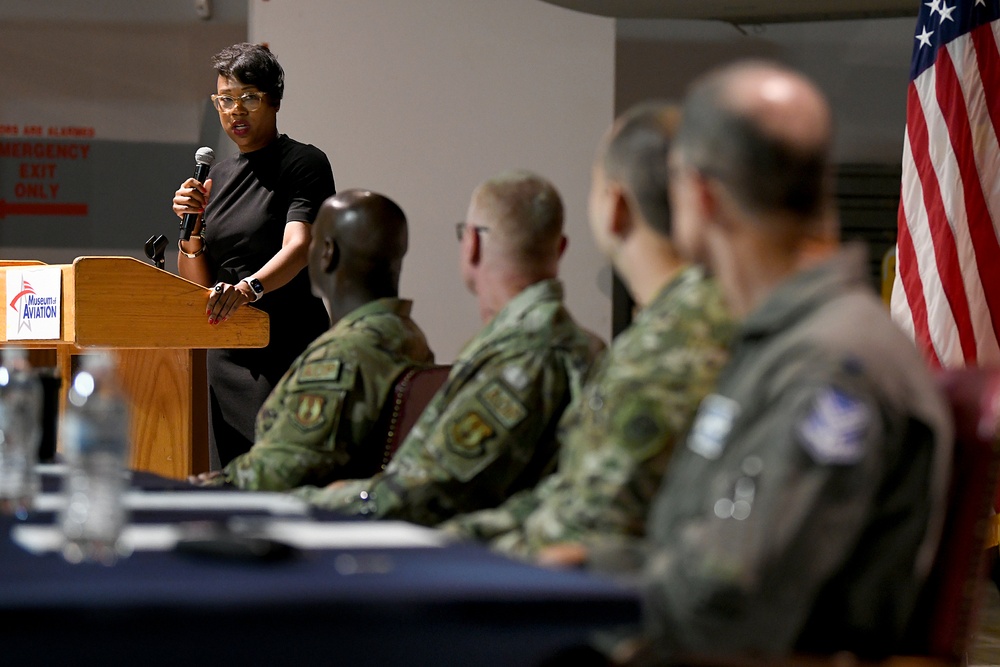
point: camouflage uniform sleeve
(621, 438)
(796, 503)
(492, 523)
(616, 440)
(298, 427)
(493, 436)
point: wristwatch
(255, 286)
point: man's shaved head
(360, 238)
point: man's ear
(621, 223)
(331, 255)
(711, 197)
(474, 247)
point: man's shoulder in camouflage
(691, 305)
(381, 339)
(346, 371)
(391, 333)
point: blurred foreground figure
(803, 511)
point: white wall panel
(424, 100)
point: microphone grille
(204, 155)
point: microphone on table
(203, 159)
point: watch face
(256, 286)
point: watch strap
(255, 287)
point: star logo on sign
(26, 289)
(925, 37)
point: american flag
(946, 292)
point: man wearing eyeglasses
(490, 430)
(251, 241)
(641, 397)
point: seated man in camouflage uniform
(642, 395)
(317, 424)
(490, 430)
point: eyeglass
(460, 229)
(249, 101)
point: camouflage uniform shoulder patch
(321, 370)
(504, 405)
(468, 435)
(641, 427)
(307, 411)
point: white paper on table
(39, 539)
(353, 534)
(235, 501)
(51, 468)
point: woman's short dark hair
(253, 65)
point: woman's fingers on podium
(223, 301)
(214, 306)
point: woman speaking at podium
(251, 241)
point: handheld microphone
(203, 159)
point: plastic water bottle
(20, 432)
(95, 445)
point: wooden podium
(154, 323)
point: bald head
(524, 214)
(634, 153)
(764, 131)
(359, 240)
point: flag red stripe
(913, 287)
(985, 44)
(984, 239)
(945, 253)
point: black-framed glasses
(249, 101)
(460, 229)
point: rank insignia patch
(327, 370)
(503, 404)
(309, 411)
(468, 435)
(833, 433)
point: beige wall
(423, 100)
